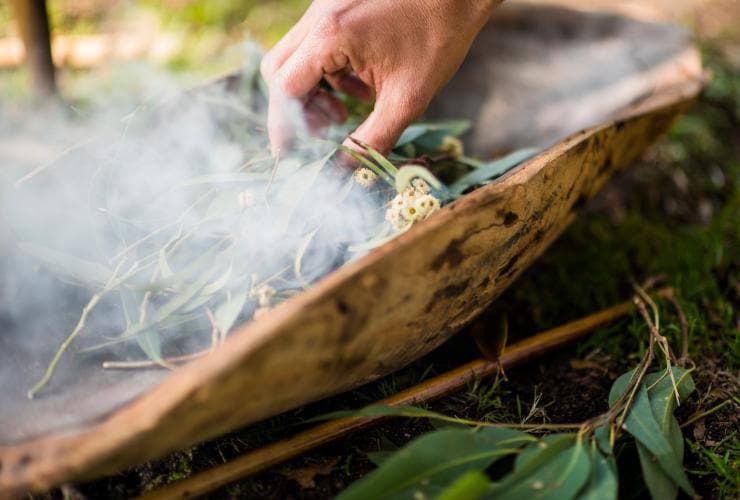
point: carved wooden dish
(593, 89)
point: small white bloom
(452, 146)
(264, 295)
(410, 206)
(421, 185)
(426, 205)
(365, 177)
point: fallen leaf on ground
(305, 476)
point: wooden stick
(33, 23)
(434, 388)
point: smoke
(170, 211)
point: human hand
(398, 52)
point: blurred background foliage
(204, 39)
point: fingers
(276, 57)
(393, 112)
(322, 109)
(293, 83)
(351, 84)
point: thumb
(393, 112)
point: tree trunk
(33, 23)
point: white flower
(365, 177)
(452, 146)
(421, 185)
(264, 295)
(426, 205)
(410, 206)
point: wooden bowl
(593, 89)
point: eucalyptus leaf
(369, 164)
(434, 131)
(378, 458)
(300, 253)
(148, 340)
(557, 471)
(219, 284)
(603, 483)
(381, 160)
(489, 171)
(470, 486)
(151, 344)
(643, 426)
(663, 403)
(173, 305)
(83, 272)
(434, 461)
(228, 311)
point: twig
(33, 173)
(442, 385)
(215, 332)
(112, 283)
(698, 416)
(684, 328)
(148, 363)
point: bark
(33, 24)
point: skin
(399, 53)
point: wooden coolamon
(32, 17)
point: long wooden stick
(434, 388)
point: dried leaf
(305, 476)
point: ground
(676, 212)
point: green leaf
(490, 171)
(369, 164)
(78, 270)
(179, 301)
(379, 457)
(298, 259)
(148, 340)
(643, 426)
(470, 486)
(659, 484)
(151, 344)
(218, 285)
(559, 470)
(381, 160)
(662, 394)
(429, 135)
(227, 313)
(619, 386)
(434, 461)
(603, 484)
(663, 402)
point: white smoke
(166, 198)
